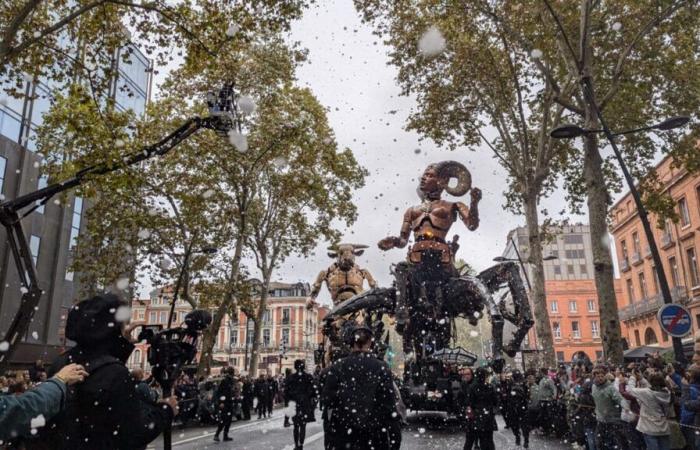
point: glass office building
(52, 229)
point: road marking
(240, 427)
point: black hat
(92, 321)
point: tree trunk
(257, 325)
(538, 298)
(210, 334)
(602, 261)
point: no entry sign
(674, 320)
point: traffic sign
(674, 320)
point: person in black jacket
(261, 392)
(248, 392)
(299, 388)
(359, 400)
(105, 411)
(515, 405)
(481, 399)
(223, 397)
(272, 389)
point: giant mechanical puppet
(429, 292)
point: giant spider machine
(429, 292)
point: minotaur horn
(453, 169)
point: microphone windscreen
(198, 320)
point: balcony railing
(652, 304)
(636, 258)
(624, 265)
(647, 252)
(666, 240)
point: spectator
(105, 411)
(515, 405)
(224, 398)
(481, 400)
(37, 371)
(299, 388)
(690, 407)
(19, 414)
(261, 392)
(143, 390)
(548, 395)
(248, 393)
(272, 389)
(654, 402)
(607, 401)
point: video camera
(222, 110)
(173, 348)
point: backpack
(51, 436)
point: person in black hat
(359, 399)
(105, 411)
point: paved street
(268, 434)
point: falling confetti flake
(238, 140)
(123, 314)
(432, 42)
(536, 53)
(123, 284)
(247, 105)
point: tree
(477, 76)
(60, 42)
(638, 58)
(305, 188)
(642, 53)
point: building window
(286, 314)
(554, 306)
(152, 318)
(560, 357)
(34, 244)
(623, 246)
(3, 166)
(573, 239)
(636, 244)
(655, 279)
(557, 270)
(573, 307)
(43, 182)
(674, 270)
(163, 317)
(595, 331)
(683, 212)
(285, 336)
(643, 285)
(249, 335)
(266, 338)
(556, 330)
(693, 266)
(637, 341)
(575, 331)
(591, 305)
(697, 320)
(598, 355)
(137, 357)
(267, 317)
(142, 315)
(584, 269)
(630, 290)
(75, 223)
(570, 269)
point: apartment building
(678, 248)
(572, 301)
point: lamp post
(520, 261)
(572, 131)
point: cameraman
(105, 411)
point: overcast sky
(348, 72)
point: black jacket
(224, 395)
(360, 403)
(482, 399)
(105, 411)
(299, 388)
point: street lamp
(573, 131)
